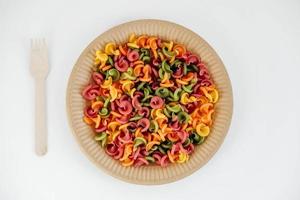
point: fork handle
(40, 116)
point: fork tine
(38, 43)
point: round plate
(80, 77)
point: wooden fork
(39, 69)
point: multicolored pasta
(149, 101)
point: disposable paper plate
(80, 77)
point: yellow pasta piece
(113, 125)
(110, 49)
(151, 144)
(127, 151)
(183, 157)
(97, 120)
(127, 162)
(87, 120)
(202, 130)
(107, 83)
(113, 93)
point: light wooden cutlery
(39, 69)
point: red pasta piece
(136, 154)
(111, 149)
(175, 125)
(182, 135)
(164, 161)
(122, 65)
(122, 120)
(144, 123)
(135, 100)
(97, 77)
(190, 148)
(91, 92)
(132, 55)
(192, 59)
(144, 111)
(89, 112)
(178, 73)
(125, 107)
(140, 162)
(156, 102)
(119, 153)
(125, 137)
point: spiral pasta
(150, 101)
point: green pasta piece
(167, 145)
(161, 73)
(162, 150)
(166, 67)
(104, 142)
(177, 63)
(166, 112)
(110, 61)
(168, 54)
(187, 142)
(175, 96)
(114, 73)
(150, 159)
(139, 141)
(149, 88)
(184, 69)
(146, 59)
(153, 126)
(141, 56)
(162, 92)
(100, 136)
(141, 85)
(196, 139)
(188, 88)
(128, 74)
(183, 117)
(192, 68)
(175, 109)
(135, 118)
(145, 51)
(146, 104)
(153, 149)
(104, 112)
(146, 98)
(106, 102)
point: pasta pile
(149, 101)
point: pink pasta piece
(164, 161)
(135, 100)
(192, 59)
(125, 107)
(122, 65)
(125, 137)
(97, 77)
(144, 123)
(156, 102)
(91, 92)
(122, 120)
(144, 111)
(182, 135)
(178, 72)
(111, 149)
(120, 153)
(89, 112)
(190, 148)
(132, 55)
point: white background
(259, 42)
